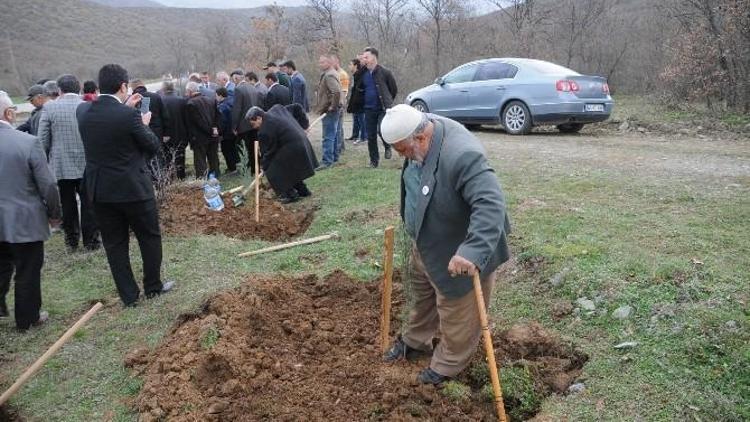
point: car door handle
(464, 90)
(500, 88)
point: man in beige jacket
(329, 101)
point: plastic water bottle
(212, 194)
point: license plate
(594, 107)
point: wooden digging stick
(494, 375)
(315, 122)
(245, 191)
(333, 235)
(385, 315)
(48, 354)
(257, 185)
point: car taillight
(605, 89)
(567, 86)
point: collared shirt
(113, 96)
(6, 123)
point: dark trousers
(229, 151)
(70, 223)
(206, 159)
(372, 125)
(299, 189)
(248, 139)
(358, 126)
(173, 157)
(27, 260)
(116, 220)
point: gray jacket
(58, 132)
(28, 191)
(461, 209)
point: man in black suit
(203, 131)
(175, 134)
(159, 115)
(118, 144)
(277, 93)
(246, 96)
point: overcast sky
(228, 4)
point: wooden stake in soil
(385, 308)
(494, 375)
(257, 185)
(48, 354)
(333, 235)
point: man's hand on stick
(460, 266)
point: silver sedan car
(517, 94)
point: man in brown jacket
(329, 101)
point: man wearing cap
(454, 211)
(37, 97)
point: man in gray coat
(454, 211)
(58, 132)
(29, 203)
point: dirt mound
(296, 349)
(184, 213)
(8, 414)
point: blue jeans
(330, 129)
(340, 134)
(359, 129)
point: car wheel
(420, 105)
(516, 118)
(570, 127)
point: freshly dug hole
(289, 349)
(184, 213)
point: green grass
(626, 238)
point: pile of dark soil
(10, 415)
(184, 213)
(306, 349)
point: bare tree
(270, 33)
(322, 17)
(527, 20)
(437, 13)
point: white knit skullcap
(400, 122)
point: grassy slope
(626, 239)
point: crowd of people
(108, 148)
(104, 163)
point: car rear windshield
(547, 68)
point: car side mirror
(440, 81)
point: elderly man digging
(453, 209)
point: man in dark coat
(37, 97)
(246, 96)
(203, 129)
(118, 144)
(277, 93)
(287, 157)
(175, 134)
(374, 94)
(159, 116)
